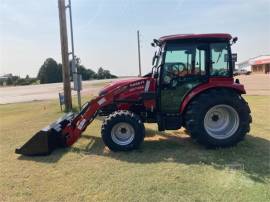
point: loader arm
(66, 130)
(74, 130)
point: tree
(50, 72)
(87, 74)
(104, 74)
(60, 72)
(100, 73)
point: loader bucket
(47, 139)
(42, 143)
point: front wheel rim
(221, 121)
(122, 133)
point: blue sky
(105, 30)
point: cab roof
(195, 36)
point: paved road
(45, 91)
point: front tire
(218, 118)
(122, 131)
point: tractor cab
(182, 62)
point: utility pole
(64, 50)
(76, 75)
(139, 52)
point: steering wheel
(173, 72)
(175, 69)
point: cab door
(184, 68)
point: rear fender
(211, 85)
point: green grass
(168, 166)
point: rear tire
(122, 131)
(218, 118)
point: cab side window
(182, 60)
(219, 58)
(177, 62)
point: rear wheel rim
(122, 133)
(221, 121)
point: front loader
(191, 85)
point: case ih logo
(136, 84)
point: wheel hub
(215, 117)
(122, 133)
(123, 130)
(221, 121)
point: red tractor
(191, 85)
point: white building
(259, 64)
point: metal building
(259, 64)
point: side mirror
(234, 40)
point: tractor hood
(118, 83)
